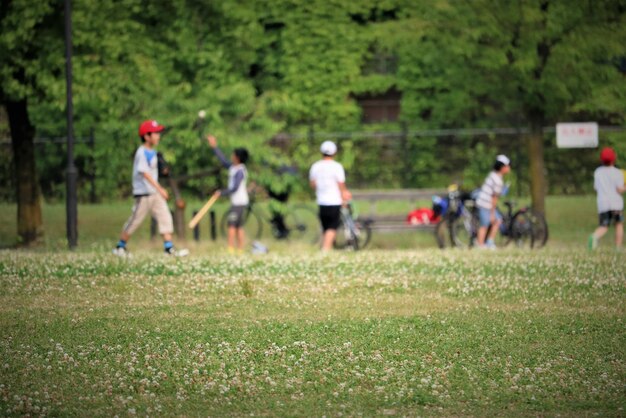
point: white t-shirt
(606, 180)
(491, 187)
(327, 175)
(240, 196)
(145, 162)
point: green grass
(408, 332)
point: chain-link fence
(435, 158)
(400, 158)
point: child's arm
(156, 185)
(345, 193)
(236, 183)
(494, 203)
(312, 181)
(218, 152)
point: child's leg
(329, 239)
(163, 216)
(619, 234)
(484, 219)
(139, 212)
(241, 238)
(482, 234)
(495, 227)
(600, 231)
(232, 233)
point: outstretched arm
(218, 152)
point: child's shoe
(592, 242)
(183, 252)
(121, 252)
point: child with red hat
(149, 196)
(609, 184)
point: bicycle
(525, 227)
(458, 224)
(300, 222)
(352, 232)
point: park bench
(393, 222)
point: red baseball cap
(149, 126)
(608, 155)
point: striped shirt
(491, 187)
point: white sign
(577, 135)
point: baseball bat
(203, 211)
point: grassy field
(413, 331)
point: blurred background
(417, 94)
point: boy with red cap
(149, 196)
(609, 184)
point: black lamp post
(72, 173)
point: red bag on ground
(422, 216)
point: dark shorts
(617, 216)
(330, 217)
(235, 216)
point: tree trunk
(537, 170)
(29, 220)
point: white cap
(328, 148)
(503, 159)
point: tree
(530, 63)
(31, 60)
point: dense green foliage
(261, 68)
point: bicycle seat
(509, 203)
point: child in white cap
(487, 202)
(328, 179)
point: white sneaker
(183, 252)
(258, 248)
(121, 252)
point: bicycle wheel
(251, 224)
(463, 231)
(539, 228)
(442, 234)
(505, 233)
(350, 234)
(521, 230)
(303, 225)
(365, 231)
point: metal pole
(196, 229)
(92, 158)
(72, 173)
(213, 225)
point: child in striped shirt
(487, 201)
